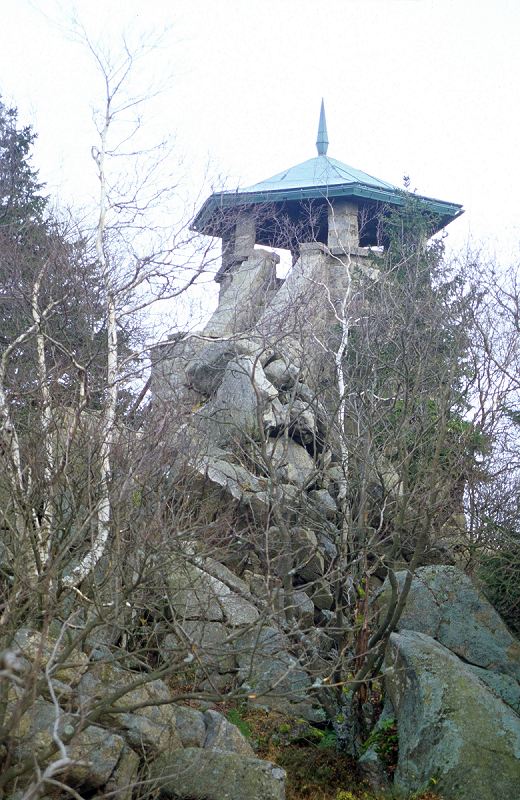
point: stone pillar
(343, 227)
(237, 246)
(245, 237)
(244, 291)
(228, 247)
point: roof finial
(322, 142)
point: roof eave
(222, 200)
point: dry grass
(314, 771)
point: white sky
(427, 88)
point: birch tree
(72, 297)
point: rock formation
(267, 588)
(257, 391)
(452, 678)
(143, 736)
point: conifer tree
(35, 243)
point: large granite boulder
(168, 374)
(233, 413)
(273, 676)
(282, 373)
(196, 593)
(106, 761)
(217, 775)
(323, 504)
(452, 729)
(217, 474)
(206, 370)
(151, 727)
(45, 652)
(224, 736)
(445, 604)
(295, 549)
(98, 757)
(191, 726)
(211, 643)
(291, 461)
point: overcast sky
(426, 88)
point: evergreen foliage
(36, 245)
(20, 199)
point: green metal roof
(320, 172)
(322, 178)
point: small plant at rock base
(328, 740)
(428, 791)
(385, 741)
(235, 717)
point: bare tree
(72, 467)
(492, 498)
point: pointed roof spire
(322, 142)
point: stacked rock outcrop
(122, 730)
(256, 422)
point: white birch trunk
(12, 457)
(103, 505)
(43, 523)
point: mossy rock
(452, 728)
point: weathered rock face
(292, 461)
(223, 736)
(452, 677)
(147, 730)
(234, 483)
(107, 756)
(197, 594)
(444, 603)
(169, 363)
(212, 642)
(96, 753)
(273, 676)
(282, 373)
(243, 294)
(296, 550)
(264, 437)
(205, 371)
(451, 727)
(256, 442)
(34, 649)
(235, 412)
(214, 775)
(190, 726)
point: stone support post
(245, 237)
(343, 227)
